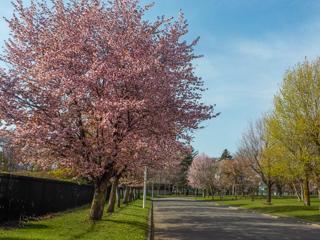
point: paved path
(184, 219)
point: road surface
(187, 219)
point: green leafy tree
(295, 122)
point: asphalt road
(186, 219)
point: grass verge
(128, 222)
(285, 207)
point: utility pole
(144, 188)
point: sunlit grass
(127, 223)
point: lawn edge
(150, 234)
(300, 220)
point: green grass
(128, 222)
(287, 206)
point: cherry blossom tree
(203, 173)
(86, 82)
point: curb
(151, 223)
(269, 215)
(233, 208)
(315, 225)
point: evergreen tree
(225, 155)
(185, 164)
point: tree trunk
(126, 195)
(279, 189)
(296, 192)
(269, 197)
(130, 194)
(98, 201)
(108, 192)
(152, 190)
(306, 192)
(204, 192)
(211, 192)
(301, 191)
(318, 186)
(118, 197)
(112, 198)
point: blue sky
(247, 46)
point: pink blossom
(97, 89)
